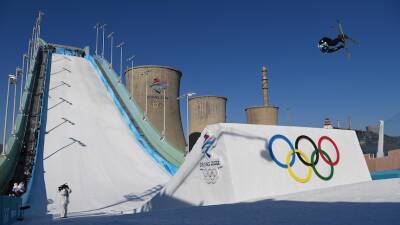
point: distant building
(389, 162)
(327, 124)
(373, 128)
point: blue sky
(221, 46)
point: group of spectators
(18, 189)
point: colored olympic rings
(278, 136)
(296, 145)
(309, 173)
(309, 162)
(336, 149)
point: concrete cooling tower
(155, 80)
(205, 110)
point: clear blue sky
(220, 47)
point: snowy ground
(89, 146)
(376, 202)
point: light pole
(164, 87)
(111, 36)
(103, 27)
(28, 62)
(146, 73)
(22, 82)
(120, 45)
(18, 72)
(33, 40)
(130, 59)
(11, 79)
(97, 26)
(187, 95)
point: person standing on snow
(64, 191)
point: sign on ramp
(239, 162)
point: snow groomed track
(89, 145)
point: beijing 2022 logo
(311, 164)
(210, 165)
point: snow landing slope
(89, 146)
(240, 162)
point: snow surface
(89, 146)
(375, 202)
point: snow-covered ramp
(88, 145)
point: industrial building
(205, 110)
(149, 85)
(265, 114)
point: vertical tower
(266, 114)
(265, 86)
(380, 152)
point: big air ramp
(88, 145)
(233, 163)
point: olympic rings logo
(309, 162)
(211, 175)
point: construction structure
(148, 85)
(205, 110)
(265, 114)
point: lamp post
(11, 77)
(111, 36)
(28, 62)
(164, 88)
(120, 45)
(130, 59)
(187, 95)
(33, 40)
(145, 74)
(22, 82)
(103, 27)
(18, 72)
(97, 26)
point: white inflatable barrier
(240, 162)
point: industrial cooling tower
(148, 86)
(205, 110)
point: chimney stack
(265, 86)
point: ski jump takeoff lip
(311, 164)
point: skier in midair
(329, 45)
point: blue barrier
(388, 174)
(10, 209)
